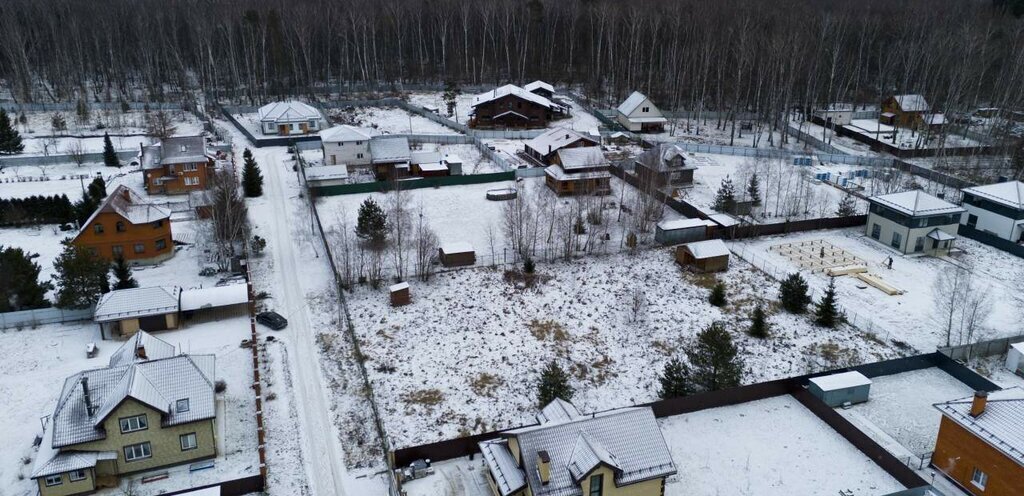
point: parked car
(272, 320)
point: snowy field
(390, 120)
(472, 366)
(908, 139)
(65, 179)
(994, 368)
(706, 132)
(909, 317)
(729, 450)
(114, 122)
(68, 145)
(49, 354)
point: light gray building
(997, 209)
(839, 389)
(914, 222)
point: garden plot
(54, 145)
(909, 317)
(729, 450)
(704, 132)
(65, 179)
(435, 100)
(114, 122)
(465, 355)
(391, 120)
(908, 139)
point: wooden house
(543, 148)
(126, 226)
(704, 256)
(904, 110)
(541, 88)
(510, 106)
(579, 171)
(176, 165)
(664, 165)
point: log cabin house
(125, 225)
(543, 148)
(510, 106)
(579, 171)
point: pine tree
(754, 189)
(82, 111)
(847, 206)
(81, 276)
(372, 223)
(714, 360)
(826, 314)
(675, 381)
(793, 294)
(258, 244)
(725, 199)
(22, 289)
(109, 155)
(759, 326)
(252, 179)
(58, 123)
(554, 383)
(717, 297)
(123, 275)
(451, 95)
(10, 139)
(97, 189)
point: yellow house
(149, 408)
(615, 453)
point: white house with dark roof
(638, 114)
(913, 222)
(289, 118)
(619, 452)
(997, 209)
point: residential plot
(65, 179)
(116, 122)
(391, 120)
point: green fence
(426, 182)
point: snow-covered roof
(539, 85)
(511, 89)
(724, 220)
(290, 111)
(217, 296)
(844, 380)
(587, 454)
(50, 461)
(451, 158)
(433, 167)
(326, 172)
(631, 103)
(912, 103)
(1018, 346)
(1010, 194)
(710, 248)
(916, 203)
(129, 205)
(398, 287)
(176, 150)
(141, 347)
(456, 247)
(671, 225)
(136, 302)
(935, 119)
(586, 157)
(346, 133)
(385, 150)
(1000, 425)
(940, 235)
(558, 410)
(502, 465)
(662, 157)
(424, 156)
(556, 139)
(560, 174)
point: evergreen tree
(847, 206)
(754, 189)
(717, 297)
(675, 381)
(827, 312)
(123, 275)
(759, 326)
(81, 276)
(109, 155)
(97, 189)
(372, 223)
(252, 179)
(451, 95)
(258, 244)
(82, 111)
(90, 201)
(793, 294)
(554, 383)
(10, 139)
(725, 199)
(58, 123)
(714, 360)
(22, 289)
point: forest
(751, 55)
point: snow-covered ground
(705, 132)
(848, 145)
(908, 139)
(765, 448)
(391, 120)
(67, 145)
(66, 179)
(464, 356)
(909, 317)
(456, 477)
(114, 122)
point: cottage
(673, 232)
(619, 452)
(123, 312)
(347, 145)
(579, 171)
(510, 106)
(704, 256)
(913, 222)
(290, 118)
(997, 209)
(664, 165)
(456, 254)
(638, 114)
(149, 408)
(126, 226)
(176, 165)
(840, 389)
(980, 444)
(541, 88)
(544, 147)
(390, 158)
(904, 110)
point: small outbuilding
(399, 294)
(673, 232)
(123, 312)
(453, 163)
(456, 254)
(704, 256)
(841, 389)
(1015, 358)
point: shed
(230, 298)
(704, 256)
(399, 294)
(1015, 358)
(123, 312)
(673, 232)
(454, 164)
(432, 169)
(840, 389)
(456, 254)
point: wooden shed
(399, 294)
(456, 254)
(704, 256)
(840, 389)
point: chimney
(140, 352)
(978, 405)
(544, 467)
(85, 395)
(126, 194)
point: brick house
(176, 165)
(125, 225)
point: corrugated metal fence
(40, 316)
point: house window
(139, 451)
(139, 248)
(191, 181)
(876, 231)
(161, 244)
(359, 142)
(597, 485)
(97, 228)
(897, 240)
(77, 475)
(645, 109)
(54, 480)
(181, 405)
(118, 250)
(979, 478)
(132, 424)
(359, 155)
(972, 220)
(158, 224)
(188, 441)
(189, 167)
(120, 227)
(919, 244)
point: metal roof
(556, 139)
(183, 149)
(1010, 194)
(1000, 425)
(631, 103)
(139, 348)
(916, 203)
(326, 172)
(346, 133)
(387, 150)
(586, 157)
(558, 410)
(502, 465)
(671, 225)
(129, 205)
(50, 461)
(136, 302)
(511, 89)
(217, 296)
(290, 111)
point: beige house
(615, 453)
(149, 408)
(121, 313)
(914, 222)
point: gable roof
(558, 410)
(511, 89)
(585, 157)
(345, 133)
(136, 302)
(539, 85)
(912, 103)
(386, 150)
(1000, 425)
(1010, 194)
(916, 203)
(554, 139)
(507, 476)
(129, 205)
(630, 104)
(661, 155)
(139, 348)
(587, 454)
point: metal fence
(45, 160)
(417, 183)
(991, 240)
(40, 316)
(813, 141)
(982, 349)
(72, 106)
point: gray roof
(631, 103)
(346, 133)
(183, 150)
(158, 383)
(1000, 425)
(387, 150)
(1010, 194)
(129, 205)
(585, 157)
(511, 89)
(136, 302)
(916, 203)
(290, 111)
(558, 410)
(663, 157)
(556, 139)
(50, 461)
(139, 348)
(912, 103)
(502, 465)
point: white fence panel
(29, 318)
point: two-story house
(577, 171)
(638, 114)
(148, 408)
(126, 226)
(997, 209)
(913, 222)
(664, 165)
(513, 107)
(544, 147)
(347, 145)
(176, 165)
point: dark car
(272, 320)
